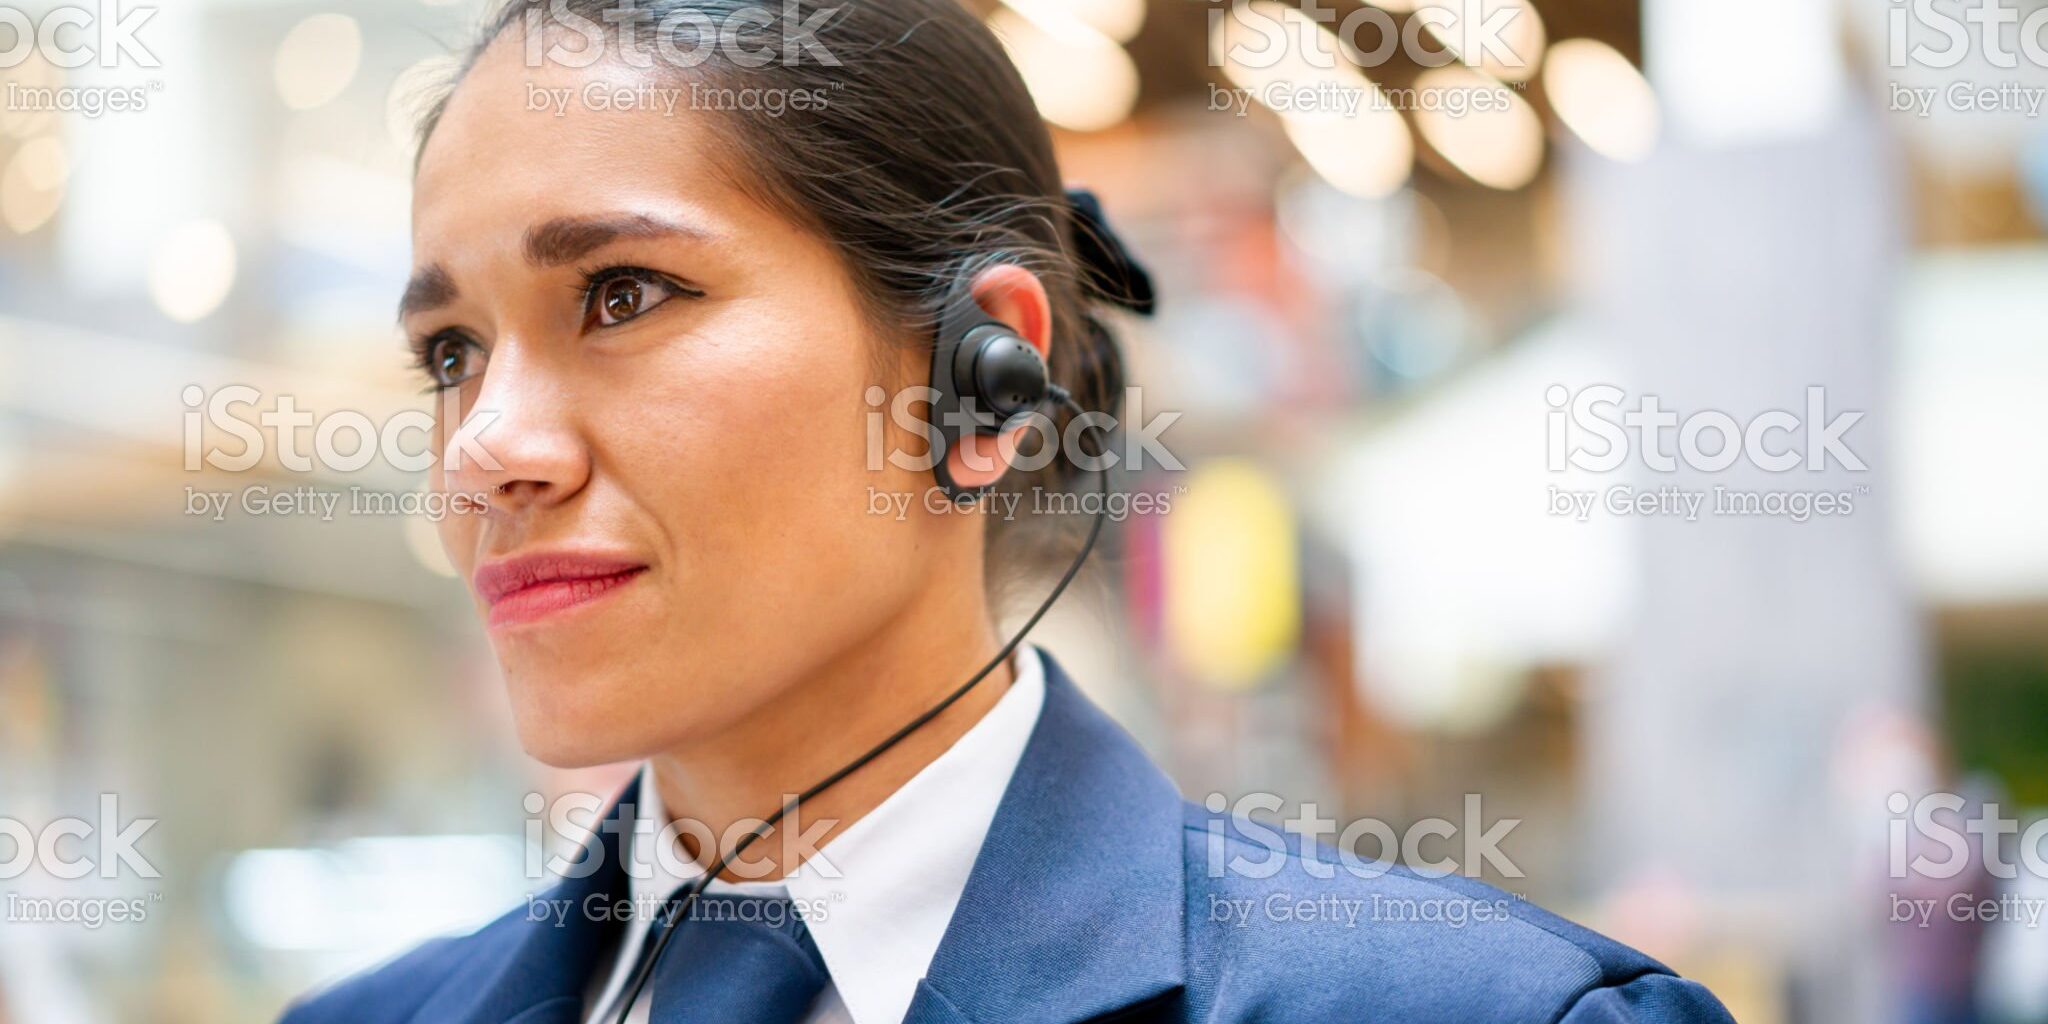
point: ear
(1014, 297)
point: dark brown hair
(922, 159)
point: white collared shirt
(899, 870)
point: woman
(668, 251)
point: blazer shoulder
(1275, 924)
(394, 990)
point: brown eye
(621, 300)
(625, 295)
(451, 359)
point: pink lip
(534, 587)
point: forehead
(519, 143)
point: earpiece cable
(678, 907)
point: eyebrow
(430, 288)
(551, 243)
(568, 239)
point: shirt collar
(889, 884)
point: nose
(517, 443)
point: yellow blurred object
(1233, 596)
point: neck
(824, 722)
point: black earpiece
(985, 378)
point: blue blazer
(1093, 899)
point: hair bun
(1105, 260)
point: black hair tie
(1106, 263)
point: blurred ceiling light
(1503, 38)
(1368, 156)
(412, 91)
(1118, 19)
(192, 271)
(1602, 98)
(1332, 112)
(32, 186)
(1079, 78)
(317, 60)
(1491, 134)
(1309, 52)
(1233, 593)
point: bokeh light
(192, 271)
(1602, 98)
(1120, 20)
(32, 186)
(318, 59)
(1505, 37)
(1079, 78)
(1336, 117)
(1499, 146)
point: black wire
(686, 897)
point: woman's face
(680, 526)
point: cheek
(760, 409)
(459, 529)
(458, 532)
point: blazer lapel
(1075, 906)
(556, 941)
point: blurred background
(1373, 590)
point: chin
(556, 750)
(550, 743)
(568, 724)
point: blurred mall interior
(1365, 319)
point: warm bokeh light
(32, 186)
(192, 271)
(1507, 36)
(1241, 48)
(1118, 19)
(1080, 78)
(1602, 98)
(1335, 116)
(1368, 157)
(317, 60)
(1499, 145)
